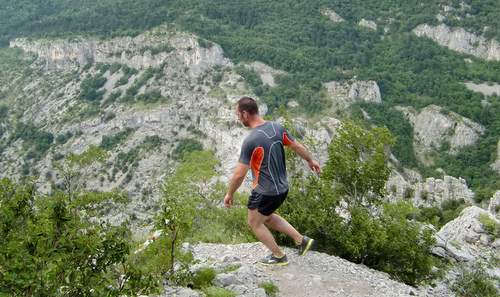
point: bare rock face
(149, 49)
(485, 89)
(434, 191)
(496, 166)
(332, 15)
(432, 127)
(344, 93)
(465, 238)
(494, 207)
(267, 73)
(430, 192)
(368, 24)
(458, 39)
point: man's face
(242, 117)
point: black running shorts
(266, 204)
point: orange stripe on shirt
(286, 140)
(255, 163)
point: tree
(357, 163)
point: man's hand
(228, 200)
(314, 166)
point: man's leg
(256, 221)
(279, 224)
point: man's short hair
(249, 105)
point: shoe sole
(308, 246)
(274, 264)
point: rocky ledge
(316, 274)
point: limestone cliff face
(429, 192)
(149, 49)
(197, 106)
(458, 39)
(344, 93)
(432, 127)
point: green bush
(138, 83)
(110, 142)
(474, 283)
(89, 88)
(151, 97)
(36, 141)
(203, 277)
(186, 145)
(439, 216)
(49, 248)
(388, 241)
(64, 137)
(271, 289)
(490, 225)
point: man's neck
(257, 122)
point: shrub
(49, 249)
(490, 225)
(151, 97)
(385, 239)
(89, 88)
(270, 288)
(143, 79)
(203, 277)
(110, 142)
(474, 283)
(63, 138)
(186, 145)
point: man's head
(247, 110)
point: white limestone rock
(344, 93)
(432, 126)
(465, 238)
(494, 206)
(458, 39)
(267, 73)
(368, 24)
(332, 15)
(134, 52)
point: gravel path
(316, 274)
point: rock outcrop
(458, 39)
(485, 89)
(466, 239)
(494, 206)
(430, 192)
(368, 24)
(267, 73)
(149, 49)
(432, 127)
(344, 93)
(332, 15)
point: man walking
(263, 152)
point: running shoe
(305, 245)
(272, 260)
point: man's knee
(255, 219)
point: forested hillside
(117, 122)
(294, 36)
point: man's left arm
(237, 179)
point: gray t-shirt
(263, 151)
